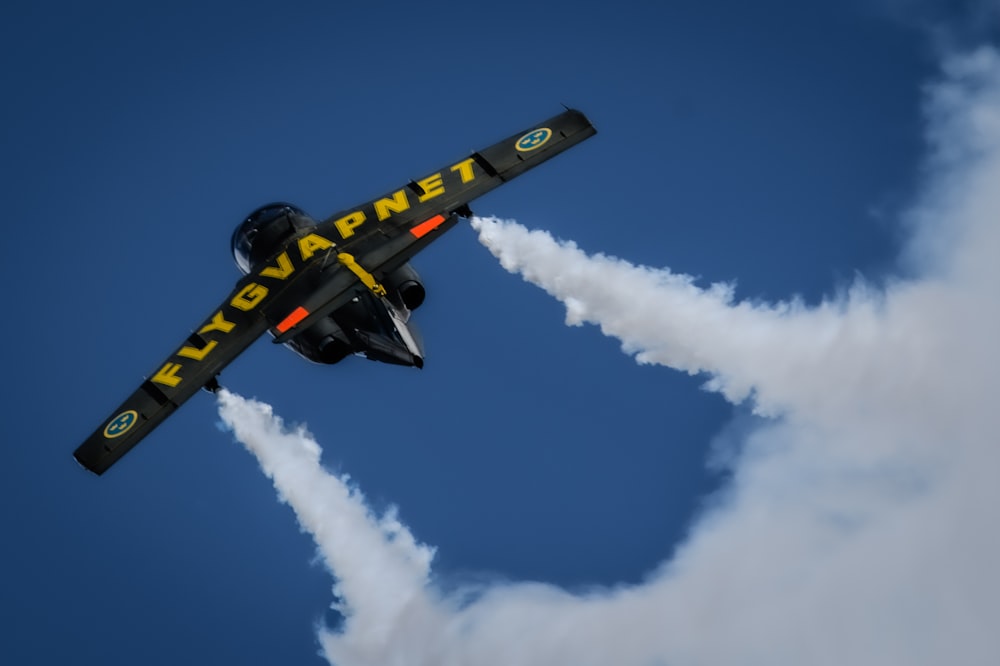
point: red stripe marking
(427, 226)
(298, 314)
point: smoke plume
(859, 525)
(381, 570)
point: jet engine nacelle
(323, 342)
(406, 285)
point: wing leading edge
(385, 233)
(222, 337)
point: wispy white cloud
(858, 527)
(950, 26)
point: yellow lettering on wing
(397, 204)
(347, 224)
(249, 296)
(310, 244)
(464, 169)
(167, 375)
(432, 187)
(218, 323)
(282, 270)
(195, 353)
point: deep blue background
(771, 143)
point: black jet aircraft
(341, 286)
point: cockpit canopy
(262, 232)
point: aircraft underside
(368, 326)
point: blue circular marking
(121, 424)
(533, 139)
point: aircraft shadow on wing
(328, 289)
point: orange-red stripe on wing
(298, 314)
(427, 226)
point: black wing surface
(319, 270)
(231, 328)
(385, 233)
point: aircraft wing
(319, 270)
(383, 234)
(231, 328)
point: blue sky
(773, 145)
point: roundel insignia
(533, 139)
(121, 424)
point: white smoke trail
(381, 570)
(865, 512)
(859, 525)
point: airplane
(328, 289)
